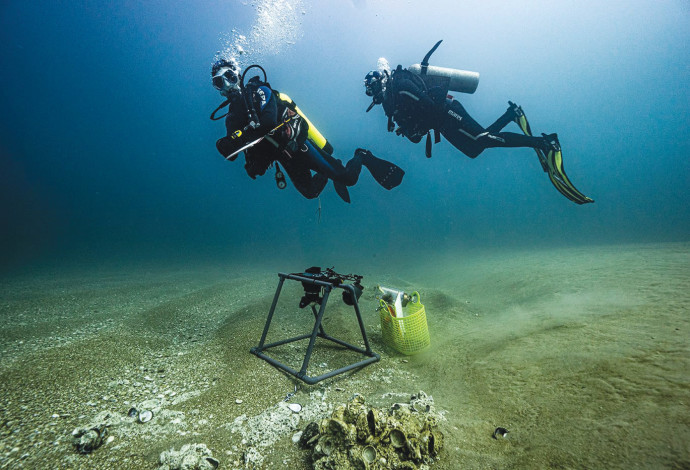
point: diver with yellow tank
(271, 131)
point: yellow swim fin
(552, 161)
(523, 123)
(556, 172)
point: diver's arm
(237, 136)
(237, 121)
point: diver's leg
(462, 131)
(331, 167)
(511, 115)
(310, 186)
(511, 139)
(348, 175)
(387, 174)
(472, 139)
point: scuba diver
(271, 131)
(416, 100)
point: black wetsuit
(288, 144)
(417, 109)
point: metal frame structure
(317, 331)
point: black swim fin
(387, 174)
(342, 191)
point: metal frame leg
(317, 330)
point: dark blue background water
(108, 153)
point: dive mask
(225, 80)
(374, 85)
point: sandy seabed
(583, 354)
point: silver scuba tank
(462, 81)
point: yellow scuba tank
(313, 135)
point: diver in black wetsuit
(270, 129)
(418, 103)
(416, 110)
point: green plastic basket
(409, 334)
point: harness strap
(427, 150)
(437, 139)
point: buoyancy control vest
(437, 82)
(410, 104)
(286, 110)
(313, 134)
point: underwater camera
(347, 295)
(313, 293)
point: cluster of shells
(359, 437)
(189, 457)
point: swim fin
(342, 191)
(523, 123)
(552, 160)
(556, 172)
(387, 174)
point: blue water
(108, 153)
